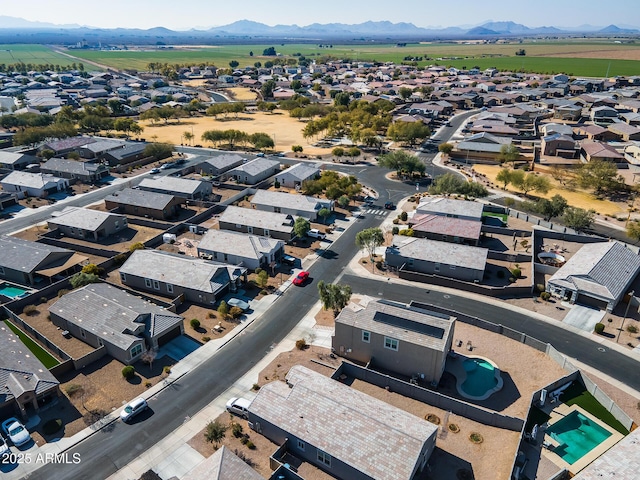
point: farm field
(35, 54)
(593, 58)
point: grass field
(36, 54)
(592, 58)
(41, 354)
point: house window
(324, 458)
(136, 350)
(277, 209)
(147, 282)
(300, 445)
(391, 343)
(82, 334)
(169, 288)
(436, 267)
(156, 285)
(226, 257)
(366, 336)
(123, 277)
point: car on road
(181, 161)
(315, 233)
(4, 448)
(236, 302)
(301, 278)
(16, 432)
(239, 406)
(133, 408)
(289, 260)
(153, 171)
(389, 206)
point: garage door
(591, 302)
(168, 336)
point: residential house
(341, 430)
(603, 114)
(553, 128)
(16, 161)
(180, 187)
(87, 224)
(446, 229)
(480, 145)
(393, 337)
(257, 222)
(130, 152)
(171, 275)
(297, 174)
(142, 203)
(558, 145)
(127, 326)
(98, 148)
(67, 145)
(218, 164)
(27, 184)
(591, 150)
(625, 131)
(598, 275)
(84, 172)
(595, 132)
(224, 465)
(452, 208)
(254, 171)
(567, 111)
(25, 383)
(290, 203)
(450, 260)
(28, 263)
(250, 251)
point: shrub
(396, 221)
(92, 269)
(599, 328)
(166, 370)
(128, 372)
(540, 287)
(81, 279)
(404, 216)
(119, 259)
(433, 418)
(62, 292)
(379, 264)
(236, 430)
(148, 384)
(453, 428)
(195, 323)
(632, 329)
(223, 309)
(545, 296)
(205, 339)
(211, 315)
(476, 438)
(244, 439)
(74, 389)
(301, 344)
(251, 445)
(235, 312)
(136, 246)
(52, 426)
(215, 432)
(516, 272)
(43, 299)
(395, 230)
(30, 310)
(255, 387)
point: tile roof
(438, 224)
(345, 423)
(223, 465)
(439, 252)
(604, 269)
(597, 149)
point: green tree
(91, 268)
(344, 201)
(504, 177)
(578, 218)
(445, 148)
(136, 246)
(233, 64)
(128, 126)
(268, 87)
(600, 176)
(214, 432)
(324, 213)
(338, 152)
(405, 92)
(81, 279)
(369, 239)
(188, 136)
(408, 132)
(301, 226)
(554, 207)
(531, 182)
(508, 153)
(261, 140)
(223, 309)
(334, 296)
(633, 230)
(158, 150)
(263, 278)
(297, 148)
(401, 162)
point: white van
(239, 406)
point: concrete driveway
(178, 348)
(583, 317)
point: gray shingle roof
(141, 198)
(450, 207)
(26, 256)
(277, 222)
(289, 200)
(112, 314)
(239, 244)
(345, 423)
(70, 166)
(439, 252)
(302, 171)
(604, 269)
(187, 272)
(83, 218)
(407, 324)
(256, 166)
(223, 465)
(31, 180)
(171, 184)
(222, 162)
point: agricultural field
(580, 58)
(34, 54)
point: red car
(301, 278)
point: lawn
(577, 395)
(502, 216)
(34, 54)
(41, 354)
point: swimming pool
(12, 291)
(577, 435)
(481, 377)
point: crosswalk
(373, 211)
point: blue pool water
(11, 291)
(480, 379)
(578, 435)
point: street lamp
(626, 311)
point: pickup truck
(315, 233)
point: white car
(315, 233)
(132, 409)
(16, 432)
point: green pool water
(11, 291)
(577, 435)
(480, 379)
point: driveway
(178, 348)
(583, 317)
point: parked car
(289, 260)
(16, 432)
(4, 448)
(389, 206)
(153, 171)
(166, 166)
(301, 278)
(236, 302)
(239, 406)
(133, 408)
(315, 233)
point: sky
(187, 14)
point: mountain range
(250, 29)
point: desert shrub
(255, 387)
(632, 329)
(62, 291)
(81, 279)
(223, 309)
(215, 432)
(211, 315)
(74, 389)
(516, 272)
(244, 439)
(301, 344)
(195, 323)
(476, 438)
(379, 264)
(166, 370)
(404, 216)
(119, 259)
(52, 426)
(30, 310)
(433, 418)
(454, 428)
(235, 312)
(545, 296)
(540, 287)
(396, 221)
(599, 328)
(251, 445)
(148, 384)
(395, 230)
(128, 372)
(236, 430)
(43, 299)
(205, 339)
